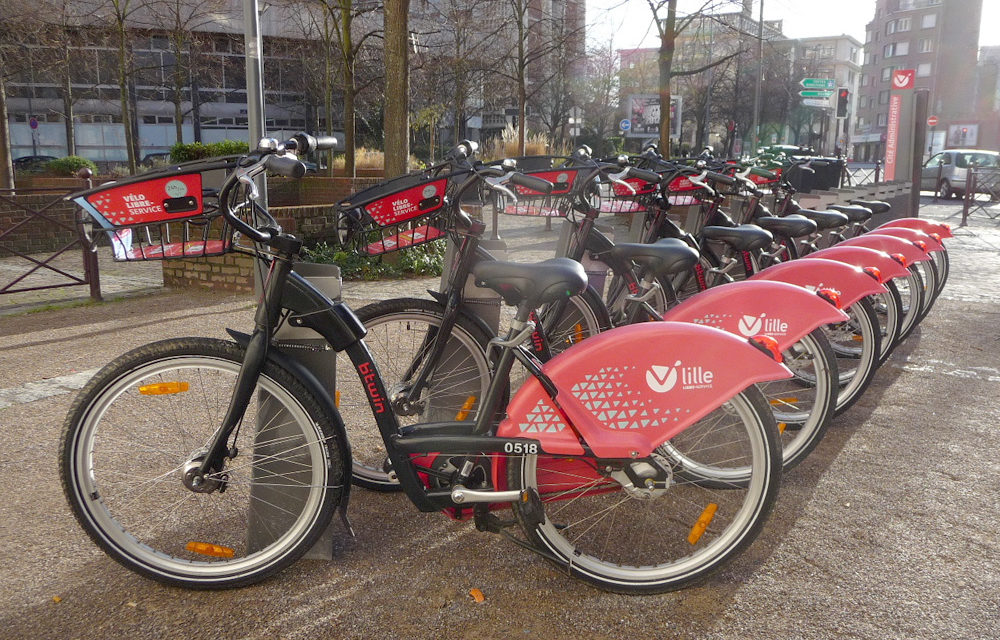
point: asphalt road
(889, 529)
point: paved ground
(889, 530)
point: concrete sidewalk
(889, 529)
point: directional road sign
(811, 93)
(818, 83)
(812, 102)
(625, 124)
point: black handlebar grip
(763, 173)
(285, 166)
(649, 176)
(531, 182)
(720, 177)
(325, 143)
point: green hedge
(69, 165)
(186, 152)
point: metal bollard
(306, 347)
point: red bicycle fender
(864, 257)
(783, 311)
(926, 226)
(910, 234)
(812, 273)
(889, 244)
(626, 391)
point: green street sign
(815, 94)
(818, 83)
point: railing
(28, 210)
(858, 176)
(984, 181)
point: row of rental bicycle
(627, 415)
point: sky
(629, 22)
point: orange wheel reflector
(703, 521)
(784, 401)
(900, 258)
(577, 333)
(208, 549)
(936, 236)
(163, 388)
(768, 345)
(921, 244)
(830, 295)
(782, 426)
(336, 399)
(858, 338)
(463, 413)
(874, 273)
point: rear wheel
(889, 311)
(401, 333)
(803, 404)
(944, 190)
(857, 345)
(709, 493)
(141, 426)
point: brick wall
(35, 234)
(231, 273)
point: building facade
(938, 39)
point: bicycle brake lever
(617, 179)
(698, 181)
(498, 185)
(244, 177)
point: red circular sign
(932, 121)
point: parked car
(151, 159)
(946, 172)
(32, 163)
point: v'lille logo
(662, 379)
(750, 325)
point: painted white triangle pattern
(542, 419)
(618, 407)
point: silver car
(946, 172)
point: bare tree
(669, 25)
(18, 27)
(181, 20)
(396, 121)
(600, 96)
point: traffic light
(843, 97)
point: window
(903, 24)
(883, 118)
(923, 69)
(887, 73)
(883, 97)
(926, 45)
(865, 79)
(902, 48)
(928, 21)
(890, 27)
(861, 122)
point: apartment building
(837, 58)
(939, 40)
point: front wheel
(711, 489)
(857, 343)
(144, 421)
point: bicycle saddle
(854, 213)
(535, 284)
(876, 206)
(663, 257)
(745, 237)
(825, 219)
(793, 226)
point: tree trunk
(347, 49)
(397, 87)
(6, 168)
(68, 114)
(665, 64)
(124, 98)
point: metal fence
(32, 213)
(859, 175)
(981, 181)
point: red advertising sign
(156, 200)
(903, 78)
(892, 136)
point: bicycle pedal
(531, 508)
